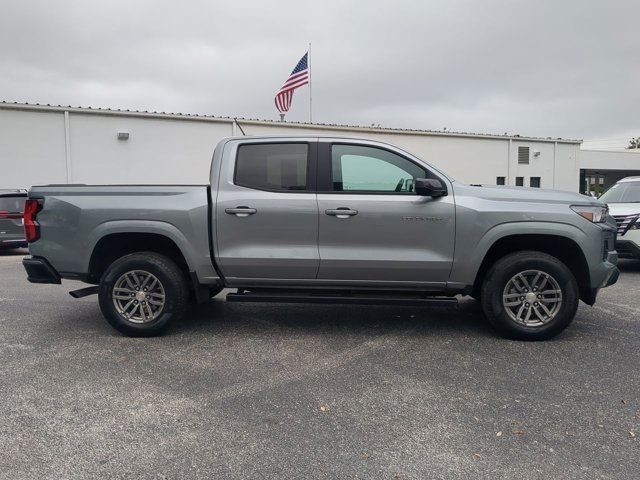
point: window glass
(500, 180)
(626, 192)
(534, 182)
(274, 166)
(13, 204)
(368, 169)
(519, 181)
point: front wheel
(142, 293)
(529, 296)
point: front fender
(469, 256)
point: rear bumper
(40, 271)
(13, 243)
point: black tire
(500, 274)
(173, 284)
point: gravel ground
(307, 391)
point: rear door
(267, 212)
(374, 228)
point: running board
(268, 297)
(84, 292)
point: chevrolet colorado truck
(331, 220)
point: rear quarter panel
(74, 219)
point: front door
(374, 228)
(267, 213)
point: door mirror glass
(430, 187)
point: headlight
(593, 214)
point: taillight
(31, 226)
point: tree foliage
(633, 143)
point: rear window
(12, 204)
(274, 166)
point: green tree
(633, 143)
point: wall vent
(523, 155)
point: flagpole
(309, 67)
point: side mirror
(430, 187)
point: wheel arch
(564, 248)
(115, 241)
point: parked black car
(11, 211)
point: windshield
(626, 192)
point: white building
(599, 169)
(53, 144)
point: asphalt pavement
(314, 391)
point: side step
(84, 292)
(292, 297)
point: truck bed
(77, 217)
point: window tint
(275, 166)
(13, 204)
(368, 169)
(500, 180)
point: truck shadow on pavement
(219, 317)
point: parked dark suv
(11, 211)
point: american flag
(298, 78)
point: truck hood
(523, 194)
(624, 208)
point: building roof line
(633, 151)
(255, 121)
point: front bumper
(628, 249)
(40, 271)
(605, 272)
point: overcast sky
(537, 67)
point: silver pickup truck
(332, 220)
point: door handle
(241, 211)
(342, 212)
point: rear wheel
(530, 296)
(142, 293)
